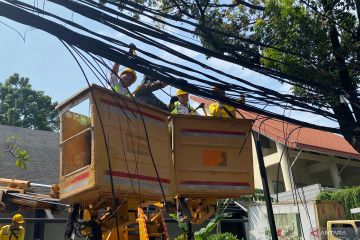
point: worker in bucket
(182, 106)
(121, 82)
(219, 109)
(144, 93)
(15, 231)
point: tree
(22, 106)
(313, 44)
(20, 155)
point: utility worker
(219, 109)
(121, 82)
(14, 231)
(144, 93)
(182, 106)
(172, 102)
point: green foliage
(349, 198)
(317, 42)
(181, 237)
(21, 156)
(204, 232)
(258, 196)
(222, 236)
(181, 225)
(22, 106)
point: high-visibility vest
(120, 89)
(116, 84)
(217, 111)
(7, 234)
(177, 110)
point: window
(264, 141)
(288, 226)
(343, 231)
(75, 136)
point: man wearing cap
(14, 231)
(182, 106)
(121, 82)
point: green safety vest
(191, 110)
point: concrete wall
(310, 168)
(257, 177)
(259, 225)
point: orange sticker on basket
(214, 158)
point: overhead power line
(163, 73)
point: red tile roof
(295, 136)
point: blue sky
(51, 68)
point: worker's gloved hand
(174, 99)
(163, 84)
(241, 100)
(221, 105)
(132, 48)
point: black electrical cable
(7, 11)
(148, 144)
(304, 203)
(98, 34)
(104, 136)
(125, 158)
(293, 180)
(92, 13)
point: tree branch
(357, 5)
(202, 13)
(237, 3)
(180, 10)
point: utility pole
(265, 187)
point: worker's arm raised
(149, 86)
(114, 74)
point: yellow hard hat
(180, 92)
(18, 218)
(129, 70)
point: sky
(50, 67)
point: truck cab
(343, 229)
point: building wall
(306, 220)
(257, 177)
(301, 174)
(319, 165)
